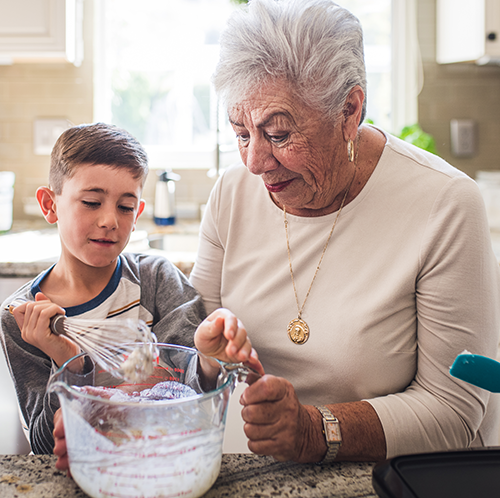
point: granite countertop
(241, 476)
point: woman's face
(298, 155)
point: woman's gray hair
(316, 46)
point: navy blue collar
(93, 303)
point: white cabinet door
(468, 31)
(41, 30)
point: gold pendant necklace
(298, 330)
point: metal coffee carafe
(164, 210)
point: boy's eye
(126, 209)
(91, 204)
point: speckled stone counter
(241, 476)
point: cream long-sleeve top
(409, 281)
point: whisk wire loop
(112, 344)
(126, 348)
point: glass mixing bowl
(127, 440)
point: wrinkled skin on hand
(277, 424)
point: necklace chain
(300, 308)
(303, 329)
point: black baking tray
(473, 473)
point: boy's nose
(108, 219)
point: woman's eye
(243, 139)
(278, 139)
(91, 204)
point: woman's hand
(224, 337)
(277, 424)
(60, 449)
(33, 319)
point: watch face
(332, 432)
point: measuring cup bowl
(157, 447)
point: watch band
(331, 430)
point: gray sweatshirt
(142, 286)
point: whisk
(125, 348)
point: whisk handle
(57, 324)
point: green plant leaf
(416, 136)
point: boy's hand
(60, 449)
(33, 319)
(224, 337)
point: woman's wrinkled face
(291, 147)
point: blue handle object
(477, 370)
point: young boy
(96, 178)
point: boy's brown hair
(95, 144)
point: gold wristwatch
(331, 430)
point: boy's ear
(47, 202)
(142, 205)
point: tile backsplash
(458, 91)
(36, 91)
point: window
(154, 60)
(375, 17)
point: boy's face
(96, 212)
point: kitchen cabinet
(41, 31)
(468, 31)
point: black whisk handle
(57, 324)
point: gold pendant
(298, 331)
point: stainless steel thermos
(164, 209)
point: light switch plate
(463, 137)
(45, 133)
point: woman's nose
(258, 156)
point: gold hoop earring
(350, 150)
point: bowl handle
(241, 372)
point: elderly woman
(360, 265)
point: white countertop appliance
(164, 208)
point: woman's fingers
(254, 362)
(222, 335)
(274, 418)
(239, 347)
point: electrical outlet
(463, 137)
(45, 133)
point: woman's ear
(353, 109)
(47, 202)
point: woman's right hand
(277, 424)
(33, 319)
